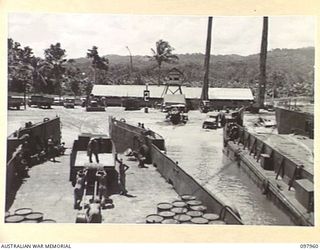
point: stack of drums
(26, 215)
(18, 216)
(188, 210)
(34, 217)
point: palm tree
(263, 62)
(100, 63)
(163, 53)
(38, 66)
(55, 59)
(204, 94)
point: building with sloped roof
(219, 97)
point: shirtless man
(79, 188)
(93, 213)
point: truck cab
(69, 103)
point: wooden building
(219, 97)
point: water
(198, 151)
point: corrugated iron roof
(157, 91)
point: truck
(79, 159)
(15, 102)
(40, 101)
(69, 103)
(94, 104)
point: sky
(114, 34)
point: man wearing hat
(93, 148)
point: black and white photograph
(200, 120)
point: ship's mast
(205, 87)
(263, 62)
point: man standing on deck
(93, 148)
(79, 188)
(122, 176)
(102, 186)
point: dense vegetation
(290, 72)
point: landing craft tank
(186, 187)
(281, 165)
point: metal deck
(299, 149)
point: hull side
(123, 136)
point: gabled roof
(174, 70)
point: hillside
(291, 70)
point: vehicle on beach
(15, 102)
(211, 121)
(69, 103)
(176, 115)
(58, 101)
(79, 101)
(40, 101)
(94, 104)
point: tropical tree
(99, 64)
(55, 59)
(163, 53)
(39, 81)
(20, 71)
(263, 63)
(73, 78)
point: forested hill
(290, 71)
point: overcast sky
(187, 34)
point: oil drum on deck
(14, 219)
(154, 218)
(34, 216)
(164, 206)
